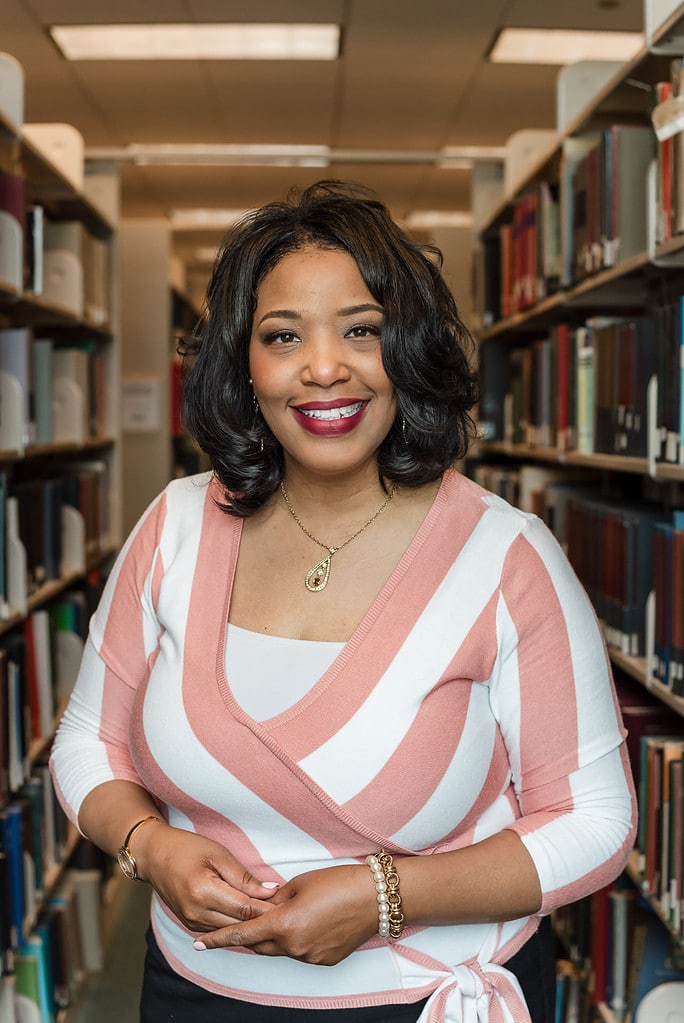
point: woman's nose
(325, 361)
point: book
(33, 249)
(630, 148)
(6, 937)
(600, 904)
(38, 639)
(12, 844)
(622, 903)
(15, 361)
(41, 380)
(675, 878)
(654, 957)
(665, 190)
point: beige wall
(144, 255)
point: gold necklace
(317, 579)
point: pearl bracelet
(390, 916)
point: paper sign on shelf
(140, 404)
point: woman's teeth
(332, 413)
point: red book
(600, 943)
(665, 176)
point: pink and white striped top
(483, 653)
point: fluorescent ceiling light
(221, 155)
(563, 46)
(198, 42)
(209, 154)
(426, 219)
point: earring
(403, 428)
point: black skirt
(168, 998)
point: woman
(335, 648)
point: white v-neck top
(270, 674)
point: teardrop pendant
(317, 579)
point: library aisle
(112, 995)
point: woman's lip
(329, 427)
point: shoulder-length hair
(425, 346)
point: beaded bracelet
(390, 916)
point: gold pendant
(317, 579)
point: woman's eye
(364, 330)
(281, 337)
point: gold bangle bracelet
(390, 915)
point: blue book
(11, 841)
(38, 944)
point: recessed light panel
(198, 42)
(563, 46)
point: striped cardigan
(474, 696)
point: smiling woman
(316, 364)
(394, 768)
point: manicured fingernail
(270, 885)
(199, 946)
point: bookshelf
(60, 516)
(580, 363)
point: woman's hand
(198, 879)
(319, 917)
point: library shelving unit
(579, 265)
(59, 498)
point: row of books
(45, 973)
(60, 261)
(623, 951)
(52, 392)
(39, 662)
(661, 803)
(530, 251)
(586, 388)
(559, 232)
(610, 546)
(617, 940)
(52, 524)
(668, 587)
(616, 548)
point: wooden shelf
(597, 461)
(57, 193)
(36, 311)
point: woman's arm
(196, 877)
(91, 762)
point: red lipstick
(330, 418)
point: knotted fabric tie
(472, 993)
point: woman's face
(316, 363)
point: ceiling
(413, 78)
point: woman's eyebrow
(367, 307)
(286, 314)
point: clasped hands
(318, 917)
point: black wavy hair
(425, 347)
